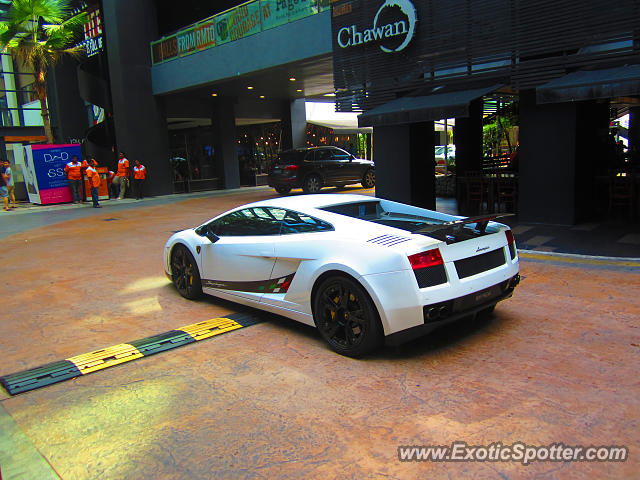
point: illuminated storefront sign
(401, 19)
(93, 33)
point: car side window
(249, 222)
(310, 156)
(341, 154)
(296, 222)
(324, 155)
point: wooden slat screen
(521, 43)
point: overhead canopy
(423, 108)
(591, 84)
(341, 127)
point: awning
(591, 84)
(423, 108)
(341, 127)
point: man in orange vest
(139, 174)
(94, 182)
(111, 187)
(73, 169)
(122, 176)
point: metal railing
(239, 22)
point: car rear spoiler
(481, 222)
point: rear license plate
(476, 298)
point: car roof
(300, 203)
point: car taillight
(509, 235)
(292, 168)
(511, 243)
(429, 258)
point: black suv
(314, 168)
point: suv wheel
(312, 184)
(283, 190)
(369, 178)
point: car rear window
(289, 157)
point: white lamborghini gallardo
(363, 270)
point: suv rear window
(288, 157)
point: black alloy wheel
(283, 190)
(369, 178)
(346, 317)
(185, 274)
(312, 184)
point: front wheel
(369, 179)
(184, 273)
(283, 190)
(346, 317)
(312, 184)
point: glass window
(340, 154)
(310, 156)
(249, 222)
(324, 154)
(296, 222)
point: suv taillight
(291, 168)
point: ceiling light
(329, 95)
(249, 87)
(214, 94)
(299, 90)
(292, 79)
(261, 96)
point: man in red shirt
(122, 176)
(73, 169)
(139, 174)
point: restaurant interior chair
(507, 192)
(622, 193)
(476, 190)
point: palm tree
(40, 33)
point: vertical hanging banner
(45, 176)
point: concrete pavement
(556, 363)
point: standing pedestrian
(122, 176)
(3, 188)
(11, 189)
(94, 182)
(139, 174)
(73, 169)
(111, 187)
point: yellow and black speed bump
(125, 352)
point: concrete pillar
(547, 185)
(294, 124)
(405, 167)
(140, 123)
(298, 123)
(225, 145)
(468, 139)
(634, 130)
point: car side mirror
(205, 231)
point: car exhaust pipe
(515, 280)
(433, 313)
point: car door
(350, 169)
(302, 238)
(240, 262)
(328, 166)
